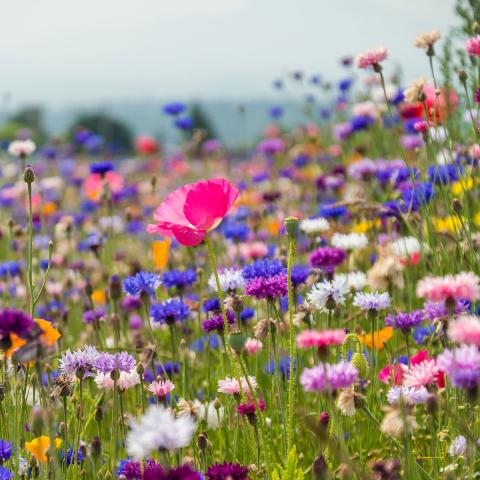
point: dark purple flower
(222, 471)
(216, 323)
(270, 287)
(405, 321)
(327, 258)
(14, 321)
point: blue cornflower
(284, 302)
(331, 211)
(72, 457)
(301, 160)
(167, 368)
(5, 473)
(299, 274)
(263, 269)
(174, 108)
(361, 122)
(443, 174)
(142, 282)
(236, 231)
(185, 123)
(345, 84)
(276, 111)
(101, 167)
(421, 333)
(169, 312)
(284, 366)
(417, 197)
(5, 450)
(247, 313)
(12, 268)
(179, 278)
(212, 340)
(211, 305)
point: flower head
(465, 285)
(405, 321)
(410, 395)
(327, 258)
(375, 301)
(142, 282)
(427, 40)
(326, 295)
(230, 386)
(193, 210)
(38, 448)
(465, 329)
(328, 377)
(371, 58)
(161, 388)
(472, 46)
(226, 471)
(21, 148)
(321, 338)
(462, 365)
(170, 311)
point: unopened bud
(291, 226)
(29, 175)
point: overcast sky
(63, 52)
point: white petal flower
(350, 241)
(314, 225)
(321, 292)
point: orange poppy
(379, 338)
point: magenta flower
(193, 210)
(472, 46)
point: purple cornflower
(265, 279)
(405, 321)
(79, 361)
(462, 366)
(438, 311)
(273, 287)
(329, 377)
(14, 321)
(372, 302)
(142, 282)
(216, 323)
(169, 312)
(222, 471)
(90, 315)
(179, 278)
(130, 303)
(5, 450)
(327, 258)
(108, 362)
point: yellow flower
(450, 224)
(160, 251)
(476, 219)
(366, 225)
(38, 448)
(379, 338)
(464, 184)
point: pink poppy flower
(465, 329)
(320, 339)
(472, 46)
(390, 370)
(193, 210)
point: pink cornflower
(126, 380)
(421, 374)
(253, 250)
(161, 388)
(253, 346)
(320, 339)
(193, 210)
(371, 58)
(230, 386)
(472, 46)
(464, 285)
(465, 329)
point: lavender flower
(83, 360)
(108, 362)
(462, 366)
(410, 395)
(372, 302)
(329, 377)
(404, 321)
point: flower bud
(462, 75)
(291, 226)
(237, 341)
(115, 287)
(96, 447)
(361, 364)
(29, 175)
(202, 441)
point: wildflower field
(304, 307)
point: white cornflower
(406, 247)
(350, 241)
(427, 40)
(114, 223)
(355, 280)
(314, 225)
(158, 428)
(230, 279)
(21, 148)
(372, 301)
(324, 291)
(208, 412)
(410, 395)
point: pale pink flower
(320, 339)
(472, 46)
(126, 380)
(464, 285)
(161, 388)
(230, 386)
(371, 58)
(465, 329)
(253, 250)
(420, 374)
(21, 148)
(96, 184)
(253, 346)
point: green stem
(30, 249)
